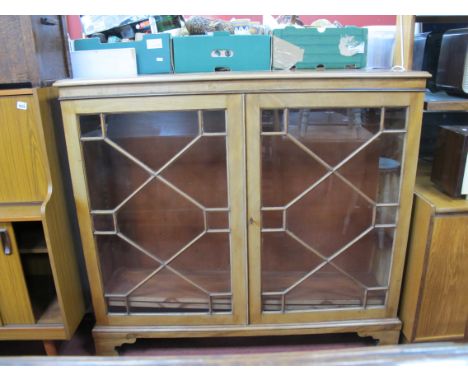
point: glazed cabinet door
(22, 169)
(15, 304)
(329, 199)
(159, 186)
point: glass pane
(375, 170)
(111, 176)
(272, 219)
(395, 118)
(344, 129)
(168, 292)
(201, 172)
(376, 297)
(160, 220)
(104, 222)
(391, 156)
(368, 259)
(123, 266)
(326, 288)
(272, 302)
(90, 126)
(329, 216)
(272, 121)
(214, 121)
(207, 263)
(217, 220)
(284, 261)
(164, 259)
(386, 215)
(153, 137)
(331, 209)
(287, 171)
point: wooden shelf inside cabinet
(442, 101)
(164, 293)
(31, 241)
(51, 314)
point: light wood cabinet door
(160, 184)
(328, 203)
(443, 303)
(22, 171)
(15, 305)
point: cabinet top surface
(441, 202)
(229, 76)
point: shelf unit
(40, 288)
(441, 101)
(433, 307)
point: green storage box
(221, 52)
(333, 48)
(153, 52)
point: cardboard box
(221, 52)
(153, 52)
(96, 64)
(331, 48)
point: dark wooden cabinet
(34, 49)
(448, 169)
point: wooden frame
(243, 94)
(236, 184)
(300, 100)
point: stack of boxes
(309, 48)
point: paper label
(21, 105)
(348, 46)
(155, 43)
(464, 189)
(159, 59)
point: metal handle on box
(5, 241)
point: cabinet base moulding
(108, 338)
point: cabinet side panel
(417, 247)
(57, 225)
(444, 306)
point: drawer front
(22, 169)
(159, 185)
(328, 204)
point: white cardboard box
(104, 63)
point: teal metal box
(333, 48)
(153, 52)
(221, 52)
